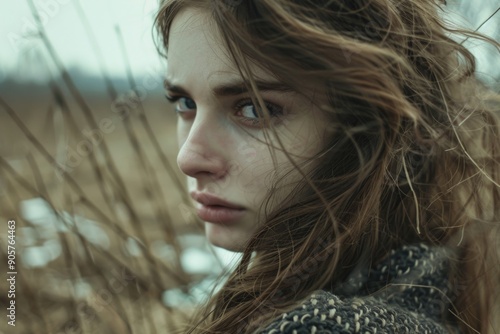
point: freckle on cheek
(234, 168)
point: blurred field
(134, 214)
(45, 120)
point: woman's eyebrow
(233, 88)
(174, 88)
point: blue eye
(182, 104)
(250, 115)
(185, 103)
(249, 111)
(245, 109)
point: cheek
(248, 153)
(298, 148)
(305, 145)
(182, 133)
(258, 173)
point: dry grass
(129, 193)
(105, 162)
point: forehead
(196, 52)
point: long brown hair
(412, 155)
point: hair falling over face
(413, 151)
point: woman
(346, 148)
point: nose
(202, 153)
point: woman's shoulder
(408, 292)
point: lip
(219, 214)
(208, 200)
(216, 210)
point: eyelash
(275, 110)
(173, 100)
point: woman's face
(217, 156)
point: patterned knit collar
(414, 276)
(407, 292)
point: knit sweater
(408, 292)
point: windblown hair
(412, 156)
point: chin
(225, 237)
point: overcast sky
(65, 30)
(24, 54)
